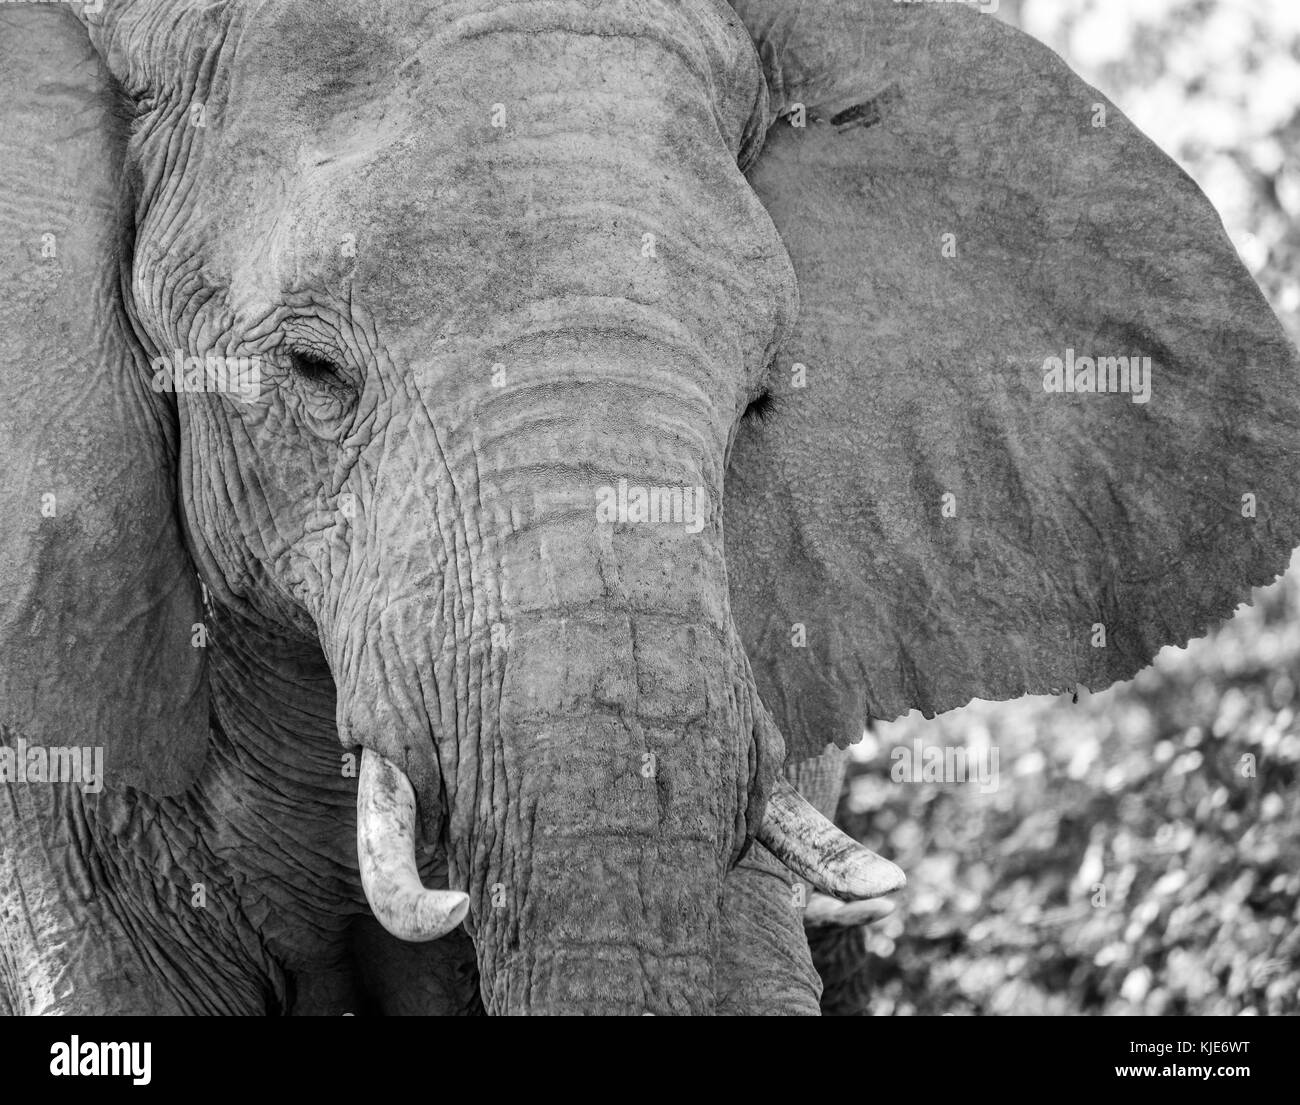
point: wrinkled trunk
(613, 784)
(620, 750)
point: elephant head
(588, 410)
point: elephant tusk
(823, 911)
(811, 846)
(386, 849)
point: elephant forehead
(335, 138)
(301, 66)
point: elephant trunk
(618, 781)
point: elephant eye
(320, 389)
(762, 407)
(313, 367)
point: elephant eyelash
(762, 407)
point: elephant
(472, 469)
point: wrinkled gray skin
(474, 257)
(465, 334)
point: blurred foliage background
(1141, 854)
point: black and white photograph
(650, 508)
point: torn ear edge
(937, 521)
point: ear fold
(960, 208)
(97, 594)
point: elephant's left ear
(1036, 420)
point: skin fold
(501, 266)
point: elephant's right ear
(1041, 422)
(98, 597)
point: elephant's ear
(924, 522)
(97, 593)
